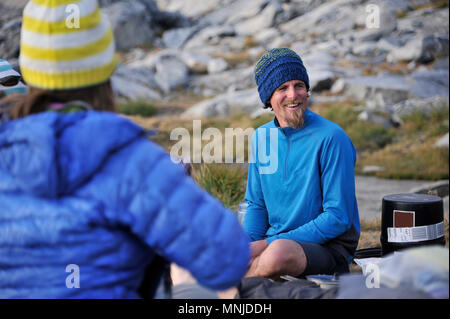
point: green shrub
(227, 184)
(431, 124)
(367, 136)
(139, 107)
(344, 116)
(419, 161)
(262, 119)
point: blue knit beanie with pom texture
(275, 67)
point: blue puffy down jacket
(89, 190)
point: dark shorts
(322, 260)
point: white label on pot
(413, 234)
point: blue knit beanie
(275, 67)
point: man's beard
(297, 120)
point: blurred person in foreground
(87, 202)
(302, 214)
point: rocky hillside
(390, 55)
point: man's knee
(284, 256)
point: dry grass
(406, 152)
(226, 183)
(437, 4)
(400, 68)
(234, 59)
(250, 42)
(408, 160)
(165, 125)
(370, 234)
(347, 64)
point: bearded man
(302, 217)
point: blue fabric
(6, 70)
(276, 67)
(88, 188)
(310, 197)
(20, 88)
(4, 67)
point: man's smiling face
(289, 103)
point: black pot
(409, 220)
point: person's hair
(100, 97)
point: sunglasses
(10, 80)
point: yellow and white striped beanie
(65, 44)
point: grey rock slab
(365, 49)
(377, 17)
(134, 84)
(320, 80)
(265, 19)
(210, 35)
(217, 106)
(372, 169)
(303, 49)
(427, 21)
(332, 17)
(443, 141)
(320, 69)
(136, 75)
(314, 99)
(244, 101)
(266, 35)
(217, 65)
(419, 104)
(130, 23)
(245, 10)
(422, 48)
(372, 118)
(318, 59)
(388, 89)
(229, 12)
(371, 190)
(438, 188)
(197, 62)
(378, 90)
(14, 4)
(442, 63)
(219, 83)
(260, 111)
(232, 102)
(176, 38)
(171, 73)
(190, 8)
(439, 79)
(388, 43)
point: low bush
(427, 124)
(365, 136)
(261, 120)
(226, 183)
(413, 161)
(141, 108)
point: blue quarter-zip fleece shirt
(301, 185)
